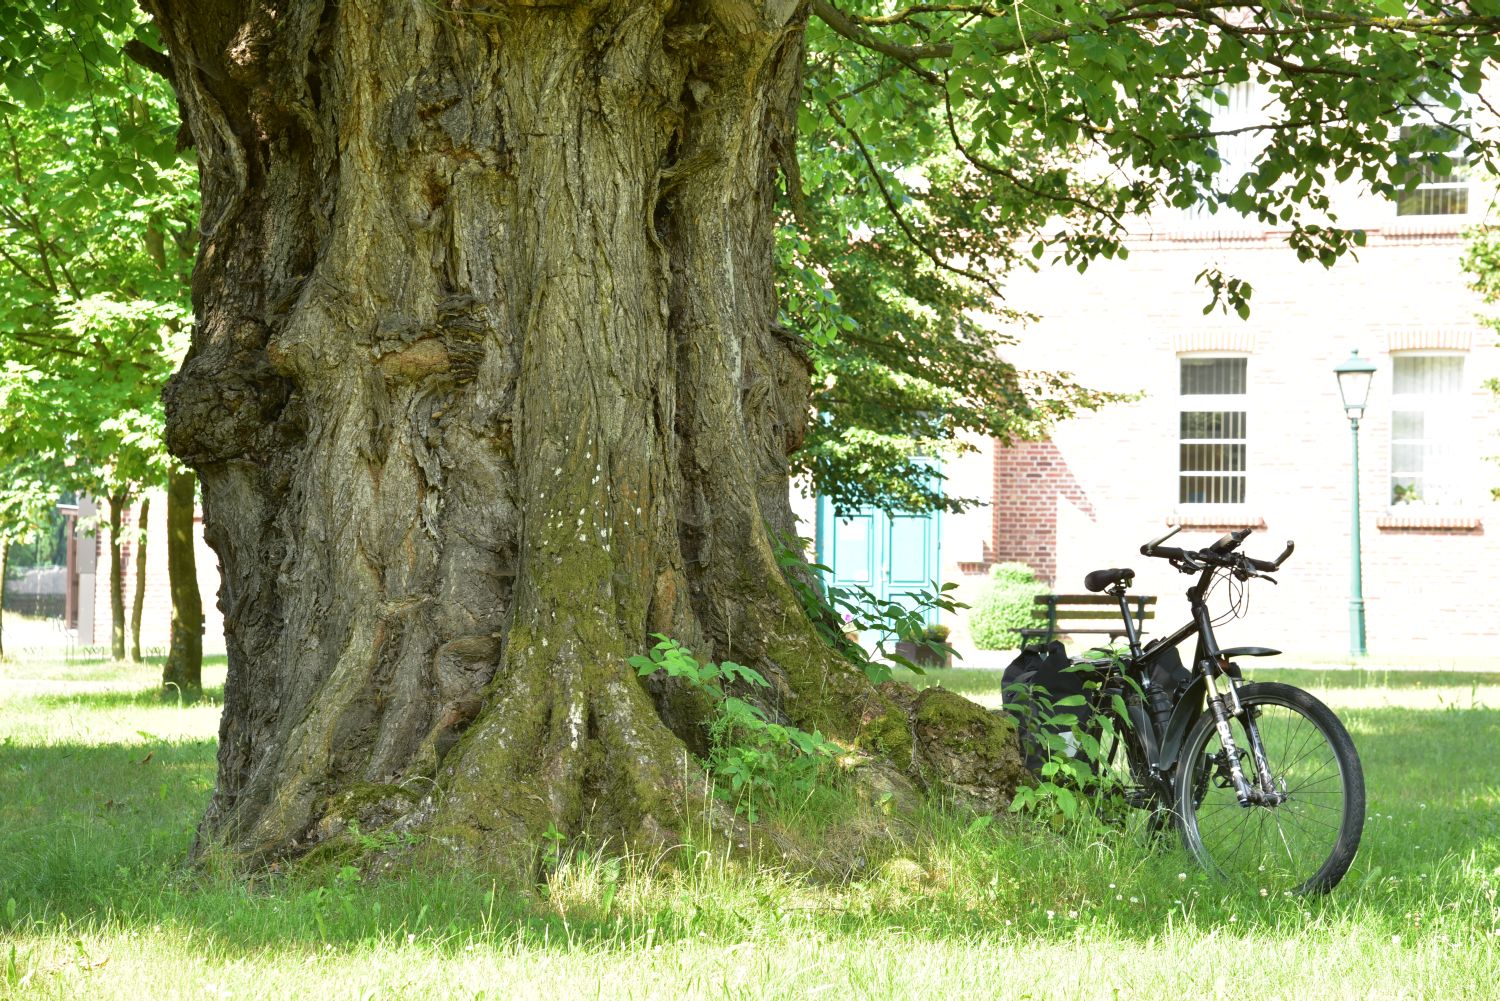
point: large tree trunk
(117, 503)
(182, 674)
(138, 604)
(485, 388)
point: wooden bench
(1061, 610)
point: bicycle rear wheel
(1305, 842)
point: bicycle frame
(1162, 747)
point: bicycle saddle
(1100, 579)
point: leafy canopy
(97, 231)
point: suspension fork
(1226, 705)
(1268, 792)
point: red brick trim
(1237, 341)
(1458, 524)
(1429, 340)
(1215, 520)
(1440, 230)
(976, 569)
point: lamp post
(1355, 374)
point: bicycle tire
(1305, 843)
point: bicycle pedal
(1139, 798)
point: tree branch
(855, 28)
(890, 204)
(845, 25)
(144, 55)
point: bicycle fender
(1189, 708)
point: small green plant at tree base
(1075, 784)
(553, 854)
(1006, 605)
(752, 759)
(841, 612)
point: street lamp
(1355, 374)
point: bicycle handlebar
(1220, 554)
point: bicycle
(1262, 779)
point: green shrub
(1006, 604)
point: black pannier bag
(1034, 683)
(1167, 673)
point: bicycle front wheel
(1305, 835)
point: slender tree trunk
(117, 502)
(182, 674)
(4, 577)
(486, 387)
(139, 599)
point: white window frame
(1458, 181)
(1211, 402)
(1455, 457)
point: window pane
(1407, 458)
(1406, 489)
(1213, 376)
(1406, 424)
(1438, 199)
(1212, 424)
(1427, 374)
(1442, 188)
(1200, 489)
(1427, 432)
(1211, 458)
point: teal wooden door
(891, 555)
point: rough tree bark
(182, 674)
(138, 603)
(117, 503)
(485, 387)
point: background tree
(97, 233)
(1482, 261)
(26, 501)
(138, 604)
(487, 382)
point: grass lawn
(101, 785)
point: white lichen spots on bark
(575, 726)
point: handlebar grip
(1269, 567)
(1150, 548)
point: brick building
(1240, 424)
